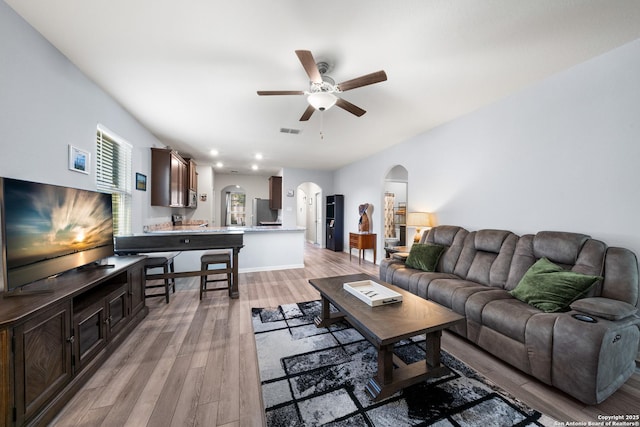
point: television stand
(52, 342)
(95, 266)
(22, 292)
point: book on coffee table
(372, 293)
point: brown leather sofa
(589, 360)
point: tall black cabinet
(335, 222)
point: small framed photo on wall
(141, 182)
(79, 160)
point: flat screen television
(49, 229)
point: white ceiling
(189, 70)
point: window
(113, 175)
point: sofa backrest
(450, 236)
(621, 276)
(572, 251)
(486, 257)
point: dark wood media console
(52, 342)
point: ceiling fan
(323, 90)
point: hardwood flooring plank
(229, 408)
(187, 404)
(135, 384)
(206, 415)
(251, 412)
(165, 407)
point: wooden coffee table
(385, 325)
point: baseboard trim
(270, 268)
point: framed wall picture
(141, 182)
(79, 160)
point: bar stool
(162, 260)
(223, 262)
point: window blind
(113, 175)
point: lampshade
(418, 219)
(321, 100)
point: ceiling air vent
(289, 130)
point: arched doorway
(233, 200)
(395, 206)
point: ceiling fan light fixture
(322, 100)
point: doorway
(309, 212)
(234, 206)
(395, 206)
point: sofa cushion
(561, 247)
(509, 317)
(424, 256)
(605, 308)
(453, 238)
(550, 288)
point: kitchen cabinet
(192, 181)
(275, 192)
(169, 178)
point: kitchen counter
(188, 229)
(270, 247)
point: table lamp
(418, 219)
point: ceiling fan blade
(307, 113)
(353, 109)
(309, 64)
(369, 79)
(280, 92)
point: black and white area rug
(316, 376)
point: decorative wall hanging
(79, 160)
(141, 182)
(363, 224)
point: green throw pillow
(551, 288)
(424, 257)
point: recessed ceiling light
(219, 165)
(254, 167)
(258, 156)
(213, 152)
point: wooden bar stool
(222, 265)
(162, 260)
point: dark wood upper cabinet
(169, 178)
(275, 192)
(192, 182)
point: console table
(362, 241)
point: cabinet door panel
(136, 289)
(117, 310)
(90, 334)
(43, 358)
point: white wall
(46, 103)
(561, 155)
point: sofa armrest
(605, 308)
(400, 256)
(590, 361)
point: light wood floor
(192, 363)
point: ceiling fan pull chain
(321, 125)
